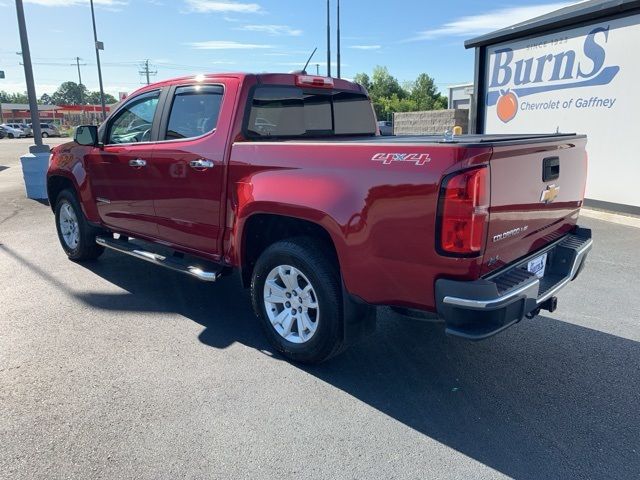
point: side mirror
(86, 135)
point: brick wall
(431, 122)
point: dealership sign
(581, 79)
(517, 78)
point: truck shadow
(546, 399)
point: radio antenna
(304, 70)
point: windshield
(278, 111)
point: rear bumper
(484, 307)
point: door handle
(138, 162)
(201, 163)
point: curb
(629, 221)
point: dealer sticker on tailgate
(537, 265)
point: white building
(460, 95)
(573, 70)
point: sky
(184, 37)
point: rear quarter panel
(380, 215)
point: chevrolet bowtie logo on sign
(549, 194)
(388, 158)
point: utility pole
(328, 38)
(338, 38)
(79, 74)
(80, 87)
(99, 46)
(146, 71)
(31, 87)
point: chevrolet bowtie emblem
(549, 194)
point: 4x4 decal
(388, 158)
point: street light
(99, 46)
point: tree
(363, 79)
(45, 99)
(383, 84)
(70, 93)
(389, 96)
(94, 98)
(425, 93)
(6, 97)
(385, 107)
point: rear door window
(194, 111)
(293, 112)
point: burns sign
(515, 84)
(581, 79)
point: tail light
(464, 212)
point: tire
(76, 235)
(45, 135)
(316, 268)
(10, 135)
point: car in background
(2, 133)
(48, 130)
(22, 126)
(385, 127)
(13, 132)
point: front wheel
(296, 294)
(76, 235)
(45, 135)
(10, 135)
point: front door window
(133, 123)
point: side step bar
(172, 263)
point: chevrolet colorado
(285, 177)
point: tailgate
(537, 190)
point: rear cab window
(286, 112)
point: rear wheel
(296, 294)
(76, 235)
(45, 135)
(10, 135)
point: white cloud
(229, 6)
(473, 25)
(74, 3)
(274, 30)
(366, 47)
(226, 45)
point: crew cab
(285, 178)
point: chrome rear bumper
(481, 308)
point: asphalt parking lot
(118, 369)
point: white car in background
(48, 130)
(21, 126)
(13, 132)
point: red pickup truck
(285, 177)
